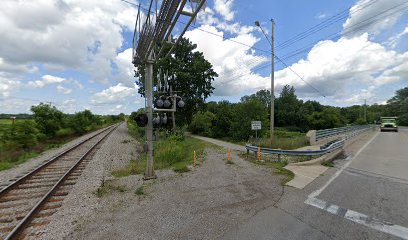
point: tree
(82, 122)
(224, 114)
(329, 118)
(190, 74)
(398, 105)
(244, 113)
(263, 96)
(23, 133)
(202, 123)
(287, 108)
(48, 118)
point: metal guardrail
(347, 132)
(331, 132)
(333, 146)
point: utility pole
(173, 115)
(149, 174)
(365, 110)
(149, 37)
(272, 81)
(272, 42)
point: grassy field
(172, 153)
(283, 139)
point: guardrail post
(311, 137)
(259, 154)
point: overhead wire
(300, 36)
(352, 29)
(324, 24)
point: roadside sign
(256, 125)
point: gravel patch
(115, 152)
(201, 204)
(14, 173)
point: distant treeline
(47, 125)
(233, 120)
(18, 116)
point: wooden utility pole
(272, 81)
(365, 110)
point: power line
(352, 29)
(301, 78)
(318, 27)
(303, 35)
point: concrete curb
(332, 155)
(319, 160)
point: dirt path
(201, 204)
(220, 143)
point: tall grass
(172, 153)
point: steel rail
(51, 160)
(20, 226)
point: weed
(126, 141)
(140, 191)
(109, 187)
(277, 166)
(328, 164)
(174, 153)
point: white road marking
(317, 192)
(360, 218)
(351, 215)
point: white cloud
(125, 67)
(8, 85)
(69, 106)
(63, 90)
(321, 16)
(343, 69)
(394, 40)
(83, 35)
(224, 8)
(78, 84)
(373, 16)
(45, 80)
(113, 95)
(230, 60)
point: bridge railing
(341, 134)
(326, 149)
(315, 136)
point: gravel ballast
(201, 204)
(8, 175)
(114, 153)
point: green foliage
(192, 77)
(168, 153)
(85, 121)
(398, 106)
(140, 191)
(328, 118)
(243, 114)
(24, 134)
(202, 123)
(48, 118)
(49, 128)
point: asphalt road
(364, 197)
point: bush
(202, 123)
(48, 118)
(23, 134)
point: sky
(77, 54)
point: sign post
(256, 125)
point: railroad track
(27, 204)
